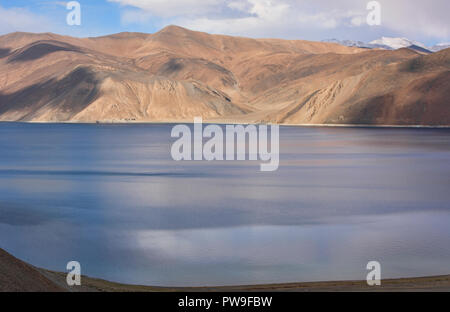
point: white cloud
(409, 17)
(260, 15)
(170, 8)
(296, 18)
(358, 21)
(239, 5)
(273, 19)
(19, 19)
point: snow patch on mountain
(389, 43)
(358, 44)
(397, 43)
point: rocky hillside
(177, 74)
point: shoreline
(439, 283)
(19, 276)
(171, 122)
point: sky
(424, 21)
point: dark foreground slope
(18, 276)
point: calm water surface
(110, 197)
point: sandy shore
(18, 276)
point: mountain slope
(18, 276)
(411, 92)
(177, 74)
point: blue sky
(425, 21)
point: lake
(111, 198)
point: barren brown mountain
(177, 74)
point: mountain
(397, 43)
(440, 46)
(177, 74)
(419, 49)
(387, 43)
(348, 43)
(358, 44)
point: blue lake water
(111, 197)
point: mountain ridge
(391, 43)
(177, 74)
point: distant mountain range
(389, 43)
(177, 74)
(440, 47)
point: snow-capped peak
(397, 43)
